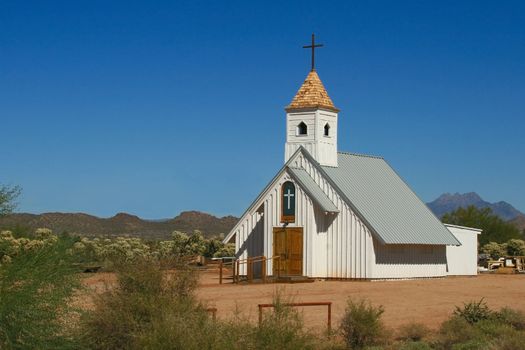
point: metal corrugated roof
(386, 202)
(313, 190)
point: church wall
(335, 245)
(408, 261)
(249, 239)
(342, 245)
(254, 234)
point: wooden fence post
(220, 271)
(233, 270)
(250, 270)
(329, 325)
(238, 272)
(263, 269)
(260, 314)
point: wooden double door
(288, 245)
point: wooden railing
(250, 261)
(328, 304)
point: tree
(495, 250)
(8, 195)
(516, 247)
(494, 228)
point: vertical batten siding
(261, 243)
(334, 245)
(347, 251)
(463, 259)
(249, 239)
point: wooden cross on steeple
(313, 46)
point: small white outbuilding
(463, 260)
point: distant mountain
(121, 224)
(449, 202)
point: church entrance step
(281, 279)
(293, 279)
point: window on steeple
(327, 130)
(302, 129)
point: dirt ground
(429, 301)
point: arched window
(288, 202)
(302, 129)
(327, 130)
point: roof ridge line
(361, 155)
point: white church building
(331, 214)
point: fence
(236, 268)
(328, 304)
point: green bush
(473, 311)
(151, 309)
(414, 345)
(413, 332)
(361, 325)
(495, 250)
(499, 331)
(516, 247)
(453, 331)
(35, 286)
(511, 317)
(282, 328)
(511, 340)
(146, 303)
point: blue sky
(156, 107)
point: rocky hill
(120, 224)
(448, 202)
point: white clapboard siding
(408, 261)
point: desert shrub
(361, 325)
(511, 317)
(498, 331)
(147, 308)
(455, 330)
(473, 312)
(414, 345)
(282, 328)
(185, 327)
(216, 249)
(492, 328)
(413, 332)
(500, 335)
(155, 310)
(185, 245)
(34, 289)
(511, 340)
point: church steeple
(312, 94)
(311, 120)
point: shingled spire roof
(312, 94)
